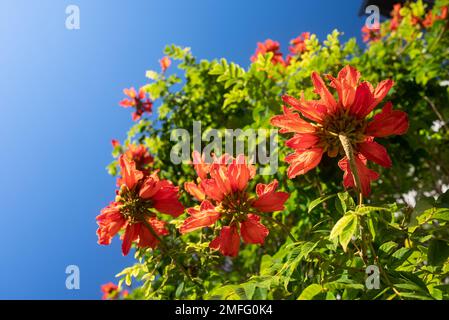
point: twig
(382, 271)
(282, 226)
(439, 115)
(165, 249)
(347, 147)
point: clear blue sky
(59, 91)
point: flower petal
(201, 167)
(228, 242)
(346, 84)
(211, 189)
(314, 110)
(303, 161)
(109, 221)
(130, 175)
(253, 231)
(131, 234)
(388, 122)
(291, 122)
(195, 190)
(363, 101)
(381, 91)
(375, 152)
(146, 237)
(326, 97)
(365, 174)
(220, 175)
(239, 174)
(303, 141)
(201, 217)
(166, 199)
(268, 199)
(150, 186)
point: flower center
(133, 208)
(340, 123)
(236, 205)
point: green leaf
(438, 252)
(343, 284)
(340, 225)
(344, 202)
(348, 232)
(179, 290)
(367, 209)
(153, 75)
(345, 228)
(318, 201)
(310, 292)
(441, 214)
(372, 228)
(433, 213)
(401, 255)
(388, 247)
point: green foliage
(335, 239)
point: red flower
(269, 46)
(443, 14)
(135, 208)
(430, 17)
(200, 165)
(140, 155)
(319, 125)
(388, 122)
(228, 242)
(115, 143)
(303, 160)
(298, 44)
(366, 175)
(268, 199)
(222, 189)
(165, 63)
(428, 20)
(370, 35)
(396, 17)
(112, 292)
(252, 230)
(195, 190)
(110, 222)
(203, 216)
(137, 101)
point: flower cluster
(269, 46)
(426, 22)
(296, 48)
(335, 126)
(112, 292)
(137, 153)
(165, 63)
(138, 199)
(222, 188)
(396, 17)
(431, 17)
(298, 44)
(138, 101)
(370, 34)
(141, 157)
